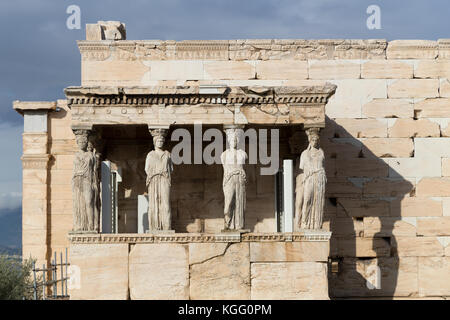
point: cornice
(192, 95)
(24, 106)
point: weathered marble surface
(103, 271)
(303, 251)
(289, 280)
(159, 271)
(219, 271)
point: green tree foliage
(16, 279)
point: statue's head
(159, 137)
(233, 137)
(158, 141)
(81, 137)
(313, 137)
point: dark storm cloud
(39, 56)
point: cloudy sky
(39, 56)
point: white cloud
(10, 201)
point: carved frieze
(305, 235)
(205, 50)
(271, 49)
(237, 50)
(94, 51)
(444, 48)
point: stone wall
(62, 147)
(387, 142)
(200, 268)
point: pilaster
(35, 190)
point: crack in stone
(211, 258)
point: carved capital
(159, 132)
(82, 133)
(233, 126)
(312, 131)
(40, 161)
(77, 126)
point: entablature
(213, 104)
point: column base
(83, 232)
(240, 231)
(160, 232)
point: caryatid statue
(158, 166)
(311, 183)
(234, 180)
(96, 184)
(84, 185)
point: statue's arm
(322, 156)
(222, 158)
(147, 162)
(302, 161)
(299, 193)
(170, 162)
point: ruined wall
(387, 143)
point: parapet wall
(201, 266)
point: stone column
(310, 189)
(96, 145)
(85, 184)
(35, 189)
(234, 181)
(159, 167)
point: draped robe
(158, 167)
(234, 180)
(313, 188)
(84, 193)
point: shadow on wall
(362, 208)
